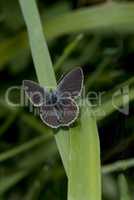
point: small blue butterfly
(57, 107)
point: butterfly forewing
(35, 93)
(71, 85)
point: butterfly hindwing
(62, 113)
(70, 111)
(49, 116)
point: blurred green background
(100, 39)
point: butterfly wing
(34, 92)
(63, 113)
(70, 111)
(71, 85)
(50, 115)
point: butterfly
(57, 107)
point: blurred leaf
(109, 187)
(120, 165)
(8, 181)
(114, 104)
(111, 16)
(25, 168)
(106, 18)
(8, 123)
(11, 14)
(41, 179)
(123, 187)
(9, 48)
(24, 147)
(67, 51)
(20, 62)
(98, 72)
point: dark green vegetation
(100, 39)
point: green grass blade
(63, 138)
(84, 160)
(43, 64)
(40, 53)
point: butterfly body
(57, 107)
(52, 98)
